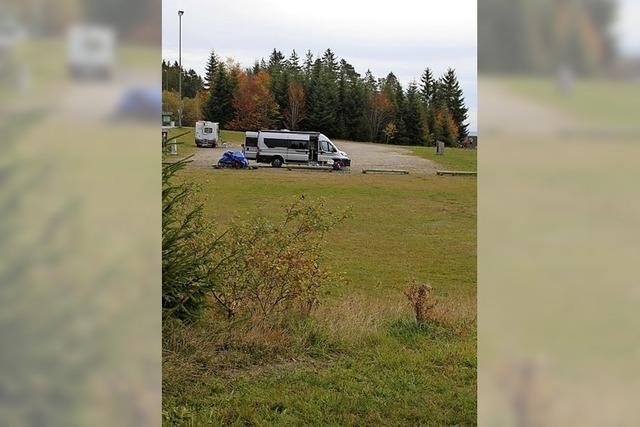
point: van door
(251, 145)
(326, 152)
(313, 149)
(298, 149)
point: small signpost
(173, 147)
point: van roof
(292, 131)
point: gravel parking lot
(363, 156)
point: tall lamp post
(180, 13)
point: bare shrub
(269, 268)
(418, 296)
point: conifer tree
(256, 68)
(412, 117)
(330, 62)
(308, 65)
(322, 100)
(210, 70)
(454, 99)
(426, 87)
(219, 105)
(293, 63)
(276, 60)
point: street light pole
(180, 13)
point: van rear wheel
(276, 162)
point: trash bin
(440, 148)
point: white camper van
(207, 134)
(90, 52)
(278, 147)
(250, 147)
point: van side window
(298, 144)
(276, 143)
(251, 141)
(324, 146)
(208, 130)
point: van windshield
(327, 146)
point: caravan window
(298, 144)
(276, 143)
(208, 130)
(324, 146)
(251, 141)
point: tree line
(322, 94)
(522, 36)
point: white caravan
(278, 147)
(91, 52)
(207, 134)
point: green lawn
(459, 159)
(602, 102)
(360, 359)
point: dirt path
(504, 111)
(363, 156)
(380, 156)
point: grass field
(361, 359)
(459, 159)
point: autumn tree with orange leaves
(295, 111)
(379, 112)
(253, 102)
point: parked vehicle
(234, 160)
(91, 52)
(207, 134)
(250, 147)
(278, 147)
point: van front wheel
(276, 162)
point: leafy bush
(269, 268)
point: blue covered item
(232, 159)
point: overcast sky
(403, 36)
(627, 28)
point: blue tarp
(233, 159)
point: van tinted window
(208, 130)
(298, 144)
(276, 143)
(251, 141)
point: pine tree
(393, 89)
(427, 84)
(330, 62)
(370, 82)
(453, 97)
(308, 65)
(276, 60)
(256, 68)
(210, 70)
(219, 106)
(412, 117)
(293, 63)
(322, 100)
